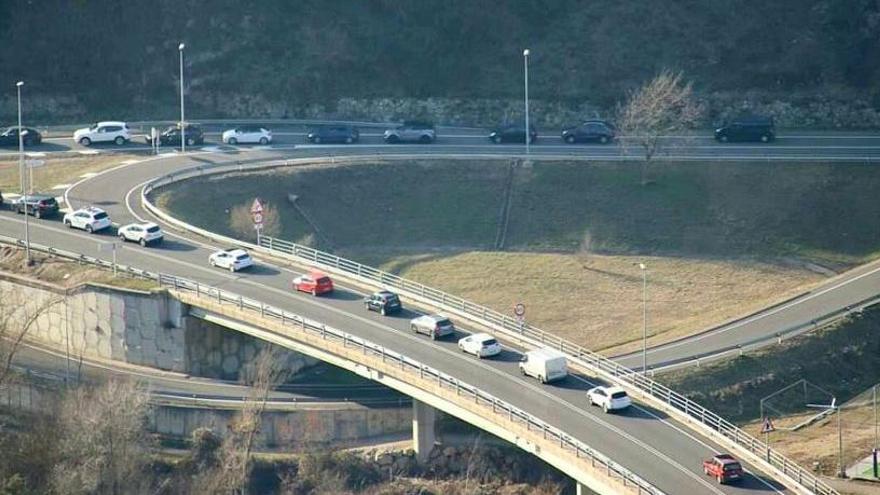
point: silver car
(434, 325)
(411, 132)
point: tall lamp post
(23, 172)
(526, 75)
(182, 120)
(644, 269)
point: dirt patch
(59, 170)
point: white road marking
(35, 154)
(60, 186)
(88, 152)
(88, 175)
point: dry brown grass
(596, 300)
(63, 272)
(816, 446)
(65, 169)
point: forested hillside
(276, 57)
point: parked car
(435, 326)
(29, 137)
(609, 398)
(411, 132)
(38, 205)
(724, 468)
(141, 233)
(590, 131)
(245, 134)
(103, 132)
(544, 364)
(171, 135)
(480, 345)
(314, 282)
(334, 134)
(513, 133)
(384, 302)
(232, 259)
(748, 128)
(90, 219)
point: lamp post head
(181, 47)
(643, 266)
(526, 52)
(19, 84)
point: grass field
(59, 171)
(720, 239)
(842, 361)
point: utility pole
(24, 180)
(644, 269)
(526, 74)
(841, 472)
(182, 120)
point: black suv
(513, 133)
(334, 134)
(589, 131)
(29, 137)
(38, 205)
(749, 128)
(171, 136)
(384, 302)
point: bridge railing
(302, 324)
(605, 368)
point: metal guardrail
(602, 366)
(302, 324)
(605, 367)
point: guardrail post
(262, 310)
(240, 302)
(219, 296)
(324, 332)
(457, 388)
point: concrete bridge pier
(424, 417)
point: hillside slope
(275, 57)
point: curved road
(658, 449)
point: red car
(724, 468)
(314, 282)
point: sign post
(257, 213)
(766, 428)
(519, 309)
(109, 246)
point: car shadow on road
(261, 271)
(176, 246)
(343, 295)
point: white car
(243, 134)
(609, 398)
(142, 233)
(231, 259)
(103, 132)
(480, 345)
(90, 219)
(434, 325)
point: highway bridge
(658, 442)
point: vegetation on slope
(123, 57)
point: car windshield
(93, 126)
(242, 257)
(490, 342)
(393, 299)
(324, 280)
(48, 202)
(153, 229)
(100, 216)
(732, 466)
(618, 395)
(444, 323)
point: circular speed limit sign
(258, 218)
(519, 309)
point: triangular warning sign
(767, 427)
(257, 207)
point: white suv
(90, 219)
(142, 233)
(231, 259)
(609, 398)
(103, 132)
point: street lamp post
(644, 269)
(23, 172)
(182, 120)
(526, 75)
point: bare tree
(102, 440)
(662, 106)
(19, 314)
(241, 221)
(231, 475)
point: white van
(544, 364)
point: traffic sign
(519, 309)
(767, 427)
(258, 218)
(257, 207)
